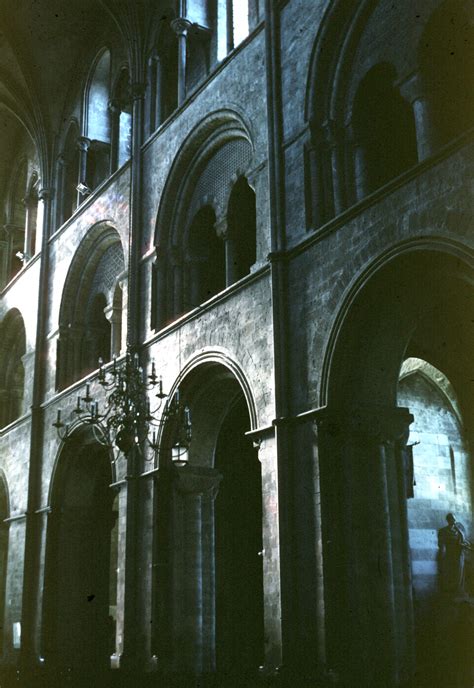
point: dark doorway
(238, 533)
(78, 631)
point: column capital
(113, 106)
(83, 143)
(412, 88)
(45, 193)
(137, 90)
(196, 480)
(332, 132)
(221, 228)
(181, 26)
(380, 424)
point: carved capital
(332, 132)
(83, 143)
(377, 424)
(113, 106)
(181, 26)
(412, 88)
(45, 193)
(221, 227)
(197, 481)
(137, 90)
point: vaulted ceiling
(45, 46)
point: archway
(238, 533)
(209, 595)
(363, 438)
(79, 581)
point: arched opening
(384, 128)
(238, 537)
(446, 56)
(97, 113)
(97, 123)
(206, 258)
(242, 231)
(90, 319)
(208, 588)
(80, 575)
(12, 371)
(440, 472)
(368, 527)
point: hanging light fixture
(128, 419)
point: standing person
(452, 543)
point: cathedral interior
(236, 340)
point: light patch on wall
(240, 11)
(17, 635)
(436, 486)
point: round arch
(202, 142)
(461, 260)
(411, 302)
(207, 363)
(215, 506)
(77, 626)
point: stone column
(193, 565)
(181, 27)
(315, 183)
(4, 253)
(176, 282)
(334, 137)
(61, 167)
(114, 316)
(231, 253)
(114, 113)
(159, 305)
(367, 576)
(359, 167)
(83, 144)
(414, 92)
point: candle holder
(128, 418)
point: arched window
(206, 258)
(384, 130)
(447, 65)
(241, 231)
(97, 124)
(97, 114)
(12, 372)
(121, 107)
